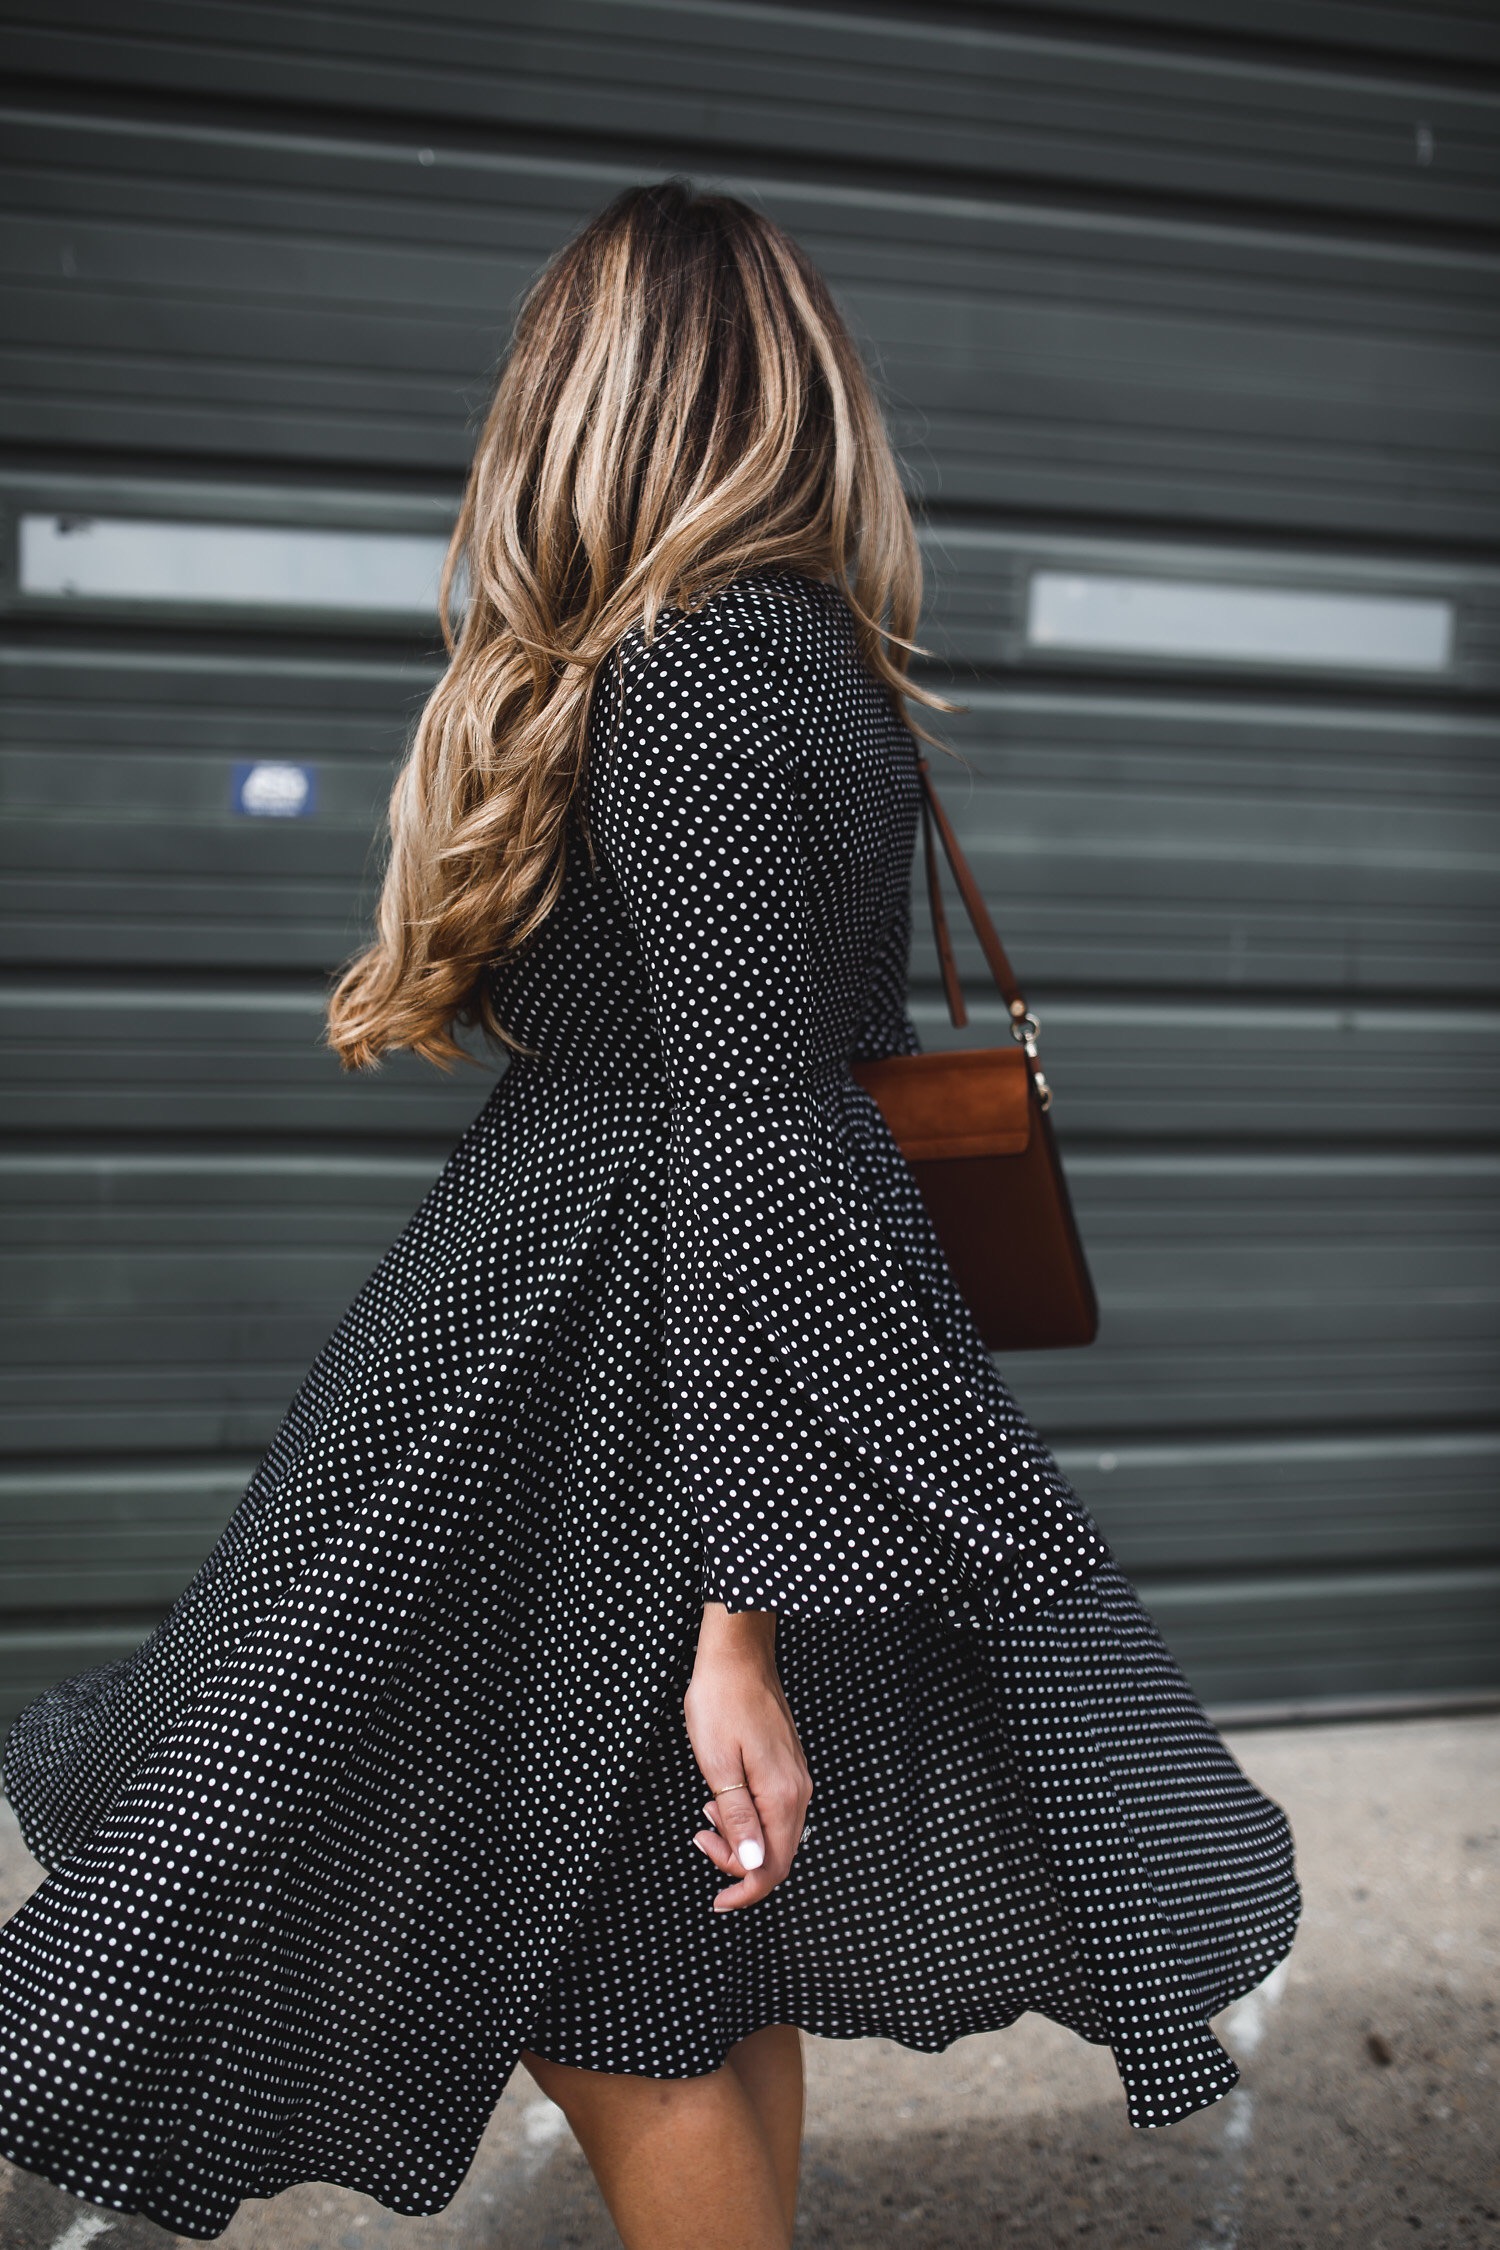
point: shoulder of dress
(756, 622)
(728, 678)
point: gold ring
(724, 1792)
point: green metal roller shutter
(1163, 295)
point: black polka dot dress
(400, 1785)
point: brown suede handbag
(972, 1124)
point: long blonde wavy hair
(682, 403)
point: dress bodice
(829, 788)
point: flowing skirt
(401, 1786)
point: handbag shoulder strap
(934, 817)
(1023, 1024)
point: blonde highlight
(682, 403)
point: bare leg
(769, 2066)
(677, 2159)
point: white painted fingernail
(751, 1853)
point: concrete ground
(1369, 2113)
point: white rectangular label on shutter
(1204, 620)
(236, 565)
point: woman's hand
(741, 1728)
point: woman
(663, 1408)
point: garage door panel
(1068, 919)
(1255, 1074)
(294, 219)
(1210, 477)
(211, 1304)
(1313, 1291)
(246, 1062)
(216, 1062)
(322, 299)
(1154, 847)
(1412, 1633)
(1221, 943)
(969, 97)
(1156, 293)
(401, 360)
(1238, 1502)
(194, 1410)
(1466, 31)
(1209, 1385)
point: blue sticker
(268, 790)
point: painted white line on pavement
(543, 2132)
(544, 2124)
(83, 2231)
(1244, 2028)
(1245, 2024)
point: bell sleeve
(835, 1460)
